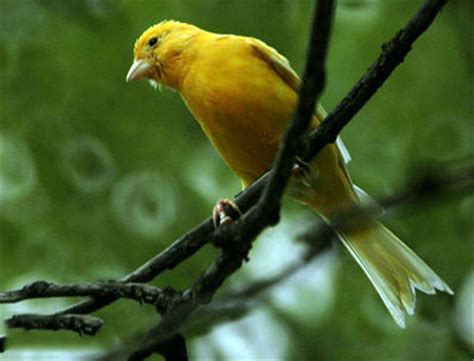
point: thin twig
(143, 293)
(82, 324)
(183, 248)
(314, 80)
(237, 303)
(392, 55)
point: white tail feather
(393, 268)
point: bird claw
(303, 172)
(219, 214)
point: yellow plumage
(243, 92)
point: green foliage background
(97, 175)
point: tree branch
(3, 341)
(183, 248)
(82, 324)
(431, 184)
(237, 303)
(393, 53)
(314, 80)
(143, 293)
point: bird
(242, 92)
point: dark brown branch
(314, 80)
(143, 293)
(393, 53)
(237, 303)
(454, 178)
(183, 248)
(174, 349)
(82, 324)
(3, 341)
(430, 185)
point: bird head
(157, 51)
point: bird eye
(153, 41)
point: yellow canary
(243, 92)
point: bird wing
(277, 62)
(282, 67)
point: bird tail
(393, 268)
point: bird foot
(219, 214)
(303, 172)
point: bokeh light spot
(144, 203)
(18, 175)
(88, 164)
(359, 10)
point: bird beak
(140, 69)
